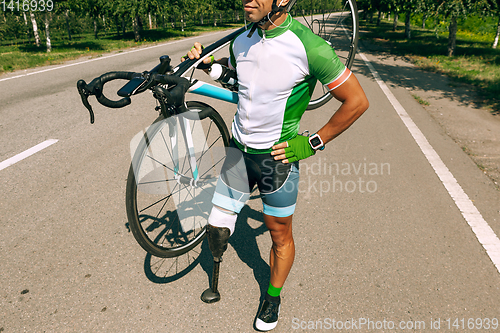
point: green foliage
(12, 26)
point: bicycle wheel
(168, 203)
(340, 29)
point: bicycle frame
(210, 90)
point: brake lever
(84, 94)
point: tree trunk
(137, 34)
(35, 29)
(140, 23)
(27, 27)
(124, 25)
(495, 43)
(201, 18)
(117, 25)
(150, 21)
(47, 30)
(424, 18)
(395, 23)
(104, 25)
(215, 19)
(379, 18)
(407, 25)
(452, 37)
(370, 16)
(66, 14)
(95, 28)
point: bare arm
(354, 103)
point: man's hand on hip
(293, 150)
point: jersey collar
(277, 31)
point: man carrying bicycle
(277, 64)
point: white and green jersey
(277, 70)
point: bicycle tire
(345, 46)
(160, 223)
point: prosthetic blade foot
(212, 295)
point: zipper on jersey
(252, 87)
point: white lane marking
(480, 227)
(102, 58)
(21, 156)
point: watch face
(315, 142)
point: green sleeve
(324, 64)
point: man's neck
(277, 19)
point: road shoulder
(455, 106)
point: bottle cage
(266, 18)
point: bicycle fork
(185, 130)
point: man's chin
(251, 18)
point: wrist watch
(316, 142)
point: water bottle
(224, 76)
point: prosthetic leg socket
(217, 242)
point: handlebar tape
(109, 77)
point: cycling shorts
(278, 183)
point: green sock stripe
(273, 291)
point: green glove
(298, 149)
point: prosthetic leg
(217, 242)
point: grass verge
(23, 56)
(475, 62)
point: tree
(64, 7)
(94, 8)
(454, 10)
(35, 29)
(48, 18)
(426, 8)
(495, 10)
(363, 5)
(495, 42)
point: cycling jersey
(277, 71)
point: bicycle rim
(167, 205)
(341, 30)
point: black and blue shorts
(278, 183)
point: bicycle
(177, 161)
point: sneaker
(267, 319)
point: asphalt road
(381, 244)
